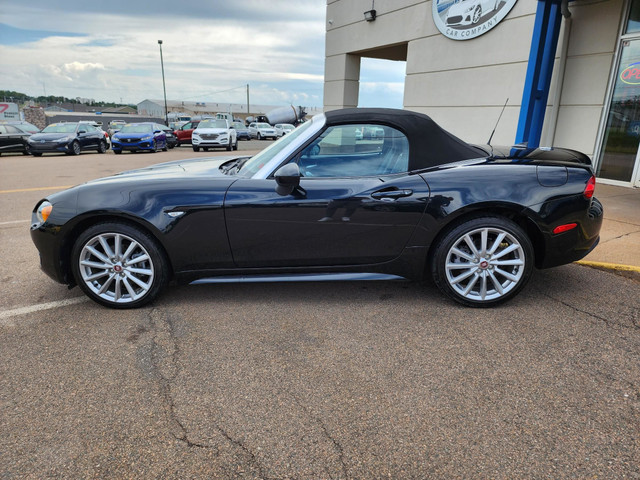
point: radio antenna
(494, 128)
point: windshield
(256, 162)
(238, 125)
(60, 128)
(263, 125)
(137, 128)
(213, 124)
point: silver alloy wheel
(116, 268)
(485, 264)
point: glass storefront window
(622, 133)
(633, 24)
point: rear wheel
(119, 265)
(102, 147)
(483, 262)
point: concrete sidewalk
(620, 235)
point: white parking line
(13, 222)
(7, 315)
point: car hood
(48, 137)
(199, 131)
(133, 134)
(460, 8)
(195, 167)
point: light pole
(164, 88)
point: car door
(356, 204)
(11, 139)
(86, 136)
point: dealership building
(568, 71)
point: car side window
(355, 151)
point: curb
(629, 271)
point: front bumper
(210, 142)
(132, 146)
(50, 147)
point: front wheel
(259, 137)
(477, 14)
(196, 149)
(118, 265)
(75, 148)
(36, 154)
(235, 145)
(483, 262)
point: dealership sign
(467, 19)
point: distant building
(156, 108)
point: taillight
(590, 187)
(564, 228)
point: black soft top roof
(429, 144)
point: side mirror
(157, 131)
(82, 130)
(287, 178)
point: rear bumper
(577, 243)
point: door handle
(391, 195)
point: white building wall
(464, 84)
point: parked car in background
(139, 137)
(98, 125)
(115, 126)
(12, 139)
(172, 139)
(185, 131)
(283, 128)
(262, 131)
(242, 131)
(70, 138)
(23, 126)
(214, 132)
(419, 203)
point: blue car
(136, 137)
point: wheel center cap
(484, 264)
(117, 268)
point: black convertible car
(326, 203)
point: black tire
(235, 145)
(178, 143)
(36, 154)
(229, 147)
(154, 148)
(165, 148)
(170, 145)
(75, 148)
(27, 150)
(117, 152)
(259, 137)
(196, 149)
(111, 284)
(494, 271)
(102, 147)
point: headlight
(43, 212)
(63, 139)
(148, 137)
(195, 135)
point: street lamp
(164, 88)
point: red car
(184, 132)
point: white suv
(212, 133)
(262, 130)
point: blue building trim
(546, 32)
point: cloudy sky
(109, 51)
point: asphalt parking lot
(309, 380)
